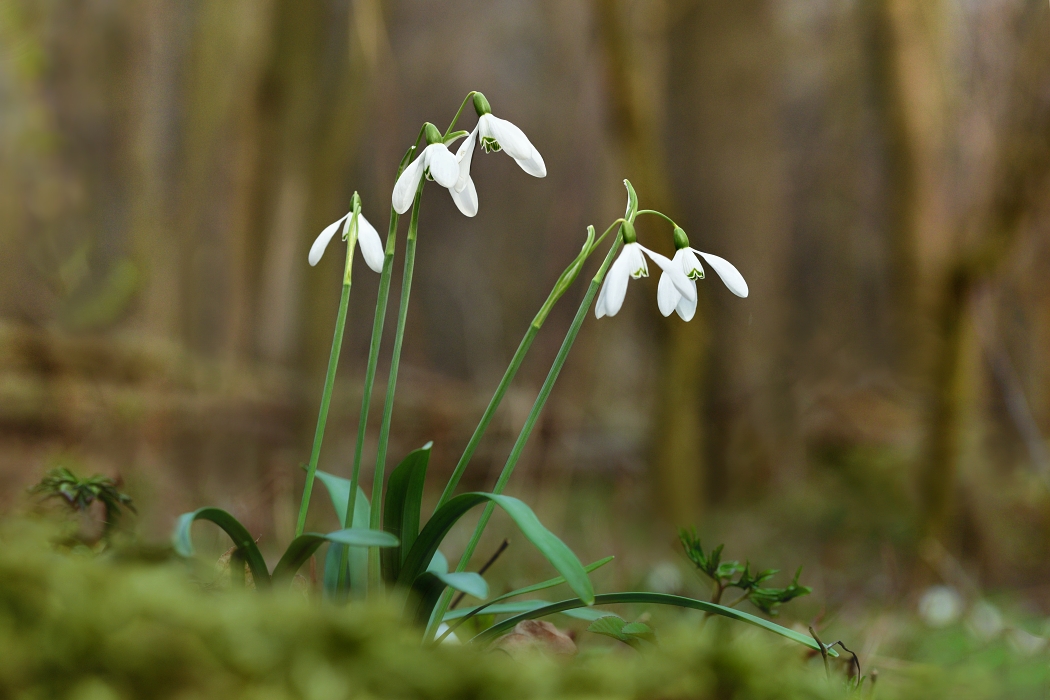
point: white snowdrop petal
(686, 309)
(512, 139)
(464, 154)
(406, 185)
(667, 296)
(682, 283)
(322, 241)
(689, 262)
(533, 165)
(444, 167)
(467, 199)
(729, 274)
(616, 283)
(371, 246)
(634, 260)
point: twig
(485, 567)
(823, 652)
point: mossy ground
(135, 625)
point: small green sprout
(722, 574)
(79, 494)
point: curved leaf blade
(401, 508)
(653, 598)
(552, 548)
(303, 547)
(182, 541)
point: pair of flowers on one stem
(676, 290)
(452, 172)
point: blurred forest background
(876, 169)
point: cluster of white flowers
(676, 290)
(451, 171)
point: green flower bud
(355, 201)
(627, 231)
(432, 133)
(680, 239)
(481, 105)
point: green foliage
(633, 634)
(401, 509)
(79, 494)
(79, 627)
(722, 574)
(653, 599)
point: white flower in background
(437, 162)
(497, 134)
(367, 240)
(631, 264)
(669, 299)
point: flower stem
(530, 422)
(373, 361)
(374, 573)
(468, 98)
(560, 287)
(333, 363)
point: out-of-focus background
(876, 409)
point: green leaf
(303, 547)
(494, 608)
(242, 539)
(404, 497)
(339, 491)
(356, 559)
(555, 551)
(653, 598)
(465, 581)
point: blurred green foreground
(132, 623)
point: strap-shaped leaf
(653, 598)
(493, 606)
(356, 558)
(401, 507)
(437, 576)
(303, 547)
(242, 539)
(555, 551)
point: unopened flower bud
(481, 105)
(627, 231)
(680, 239)
(432, 133)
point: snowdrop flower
(668, 297)
(497, 134)
(631, 264)
(367, 241)
(437, 163)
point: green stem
(657, 213)
(333, 363)
(373, 357)
(374, 573)
(564, 281)
(468, 98)
(530, 422)
(373, 361)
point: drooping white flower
(668, 297)
(631, 264)
(497, 134)
(443, 168)
(367, 240)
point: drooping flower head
(496, 135)
(668, 296)
(631, 264)
(367, 240)
(437, 163)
